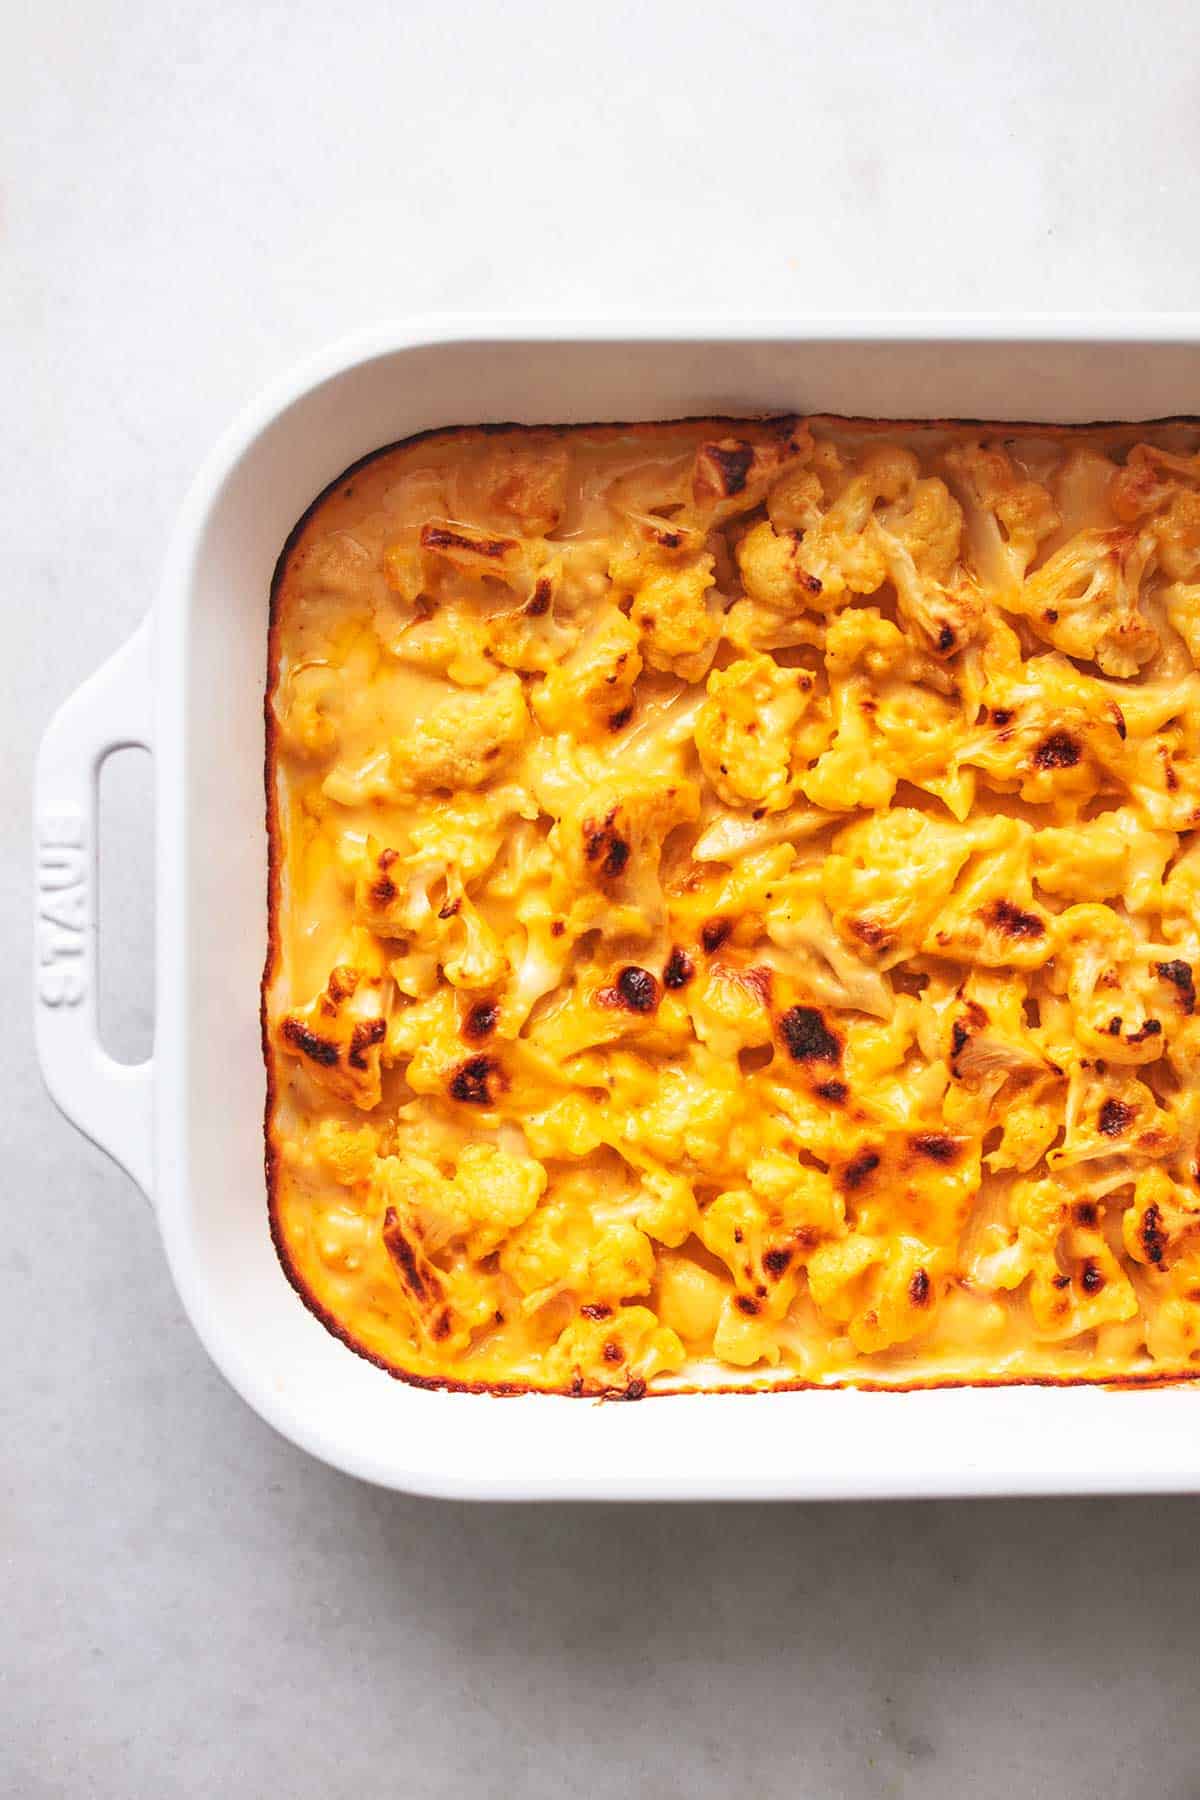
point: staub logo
(62, 908)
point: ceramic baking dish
(188, 1125)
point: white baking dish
(188, 1126)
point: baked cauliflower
(735, 905)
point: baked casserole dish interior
(734, 905)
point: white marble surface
(192, 196)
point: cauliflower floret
(746, 729)
(730, 1009)
(1149, 478)
(608, 841)
(1177, 534)
(679, 613)
(751, 626)
(1007, 515)
(1084, 599)
(1182, 601)
(860, 641)
(1106, 857)
(606, 1005)
(344, 1153)
(619, 1263)
(921, 535)
(1117, 1001)
(1075, 1281)
(534, 637)
(889, 722)
(492, 1193)
(863, 652)
(882, 1290)
(452, 641)
(773, 574)
(538, 964)
(422, 899)
(668, 1210)
(888, 876)
(1161, 1232)
(550, 1254)
(928, 521)
(591, 692)
(1030, 1121)
(765, 1234)
(470, 952)
(798, 498)
(731, 475)
(985, 1036)
(839, 548)
(467, 740)
(798, 921)
(1162, 1224)
(1181, 896)
(991, 918)
(848, 774)
(447, 1300)
(338, 1036)
(1111, 1113)
(621, 1350)
(688, 1119)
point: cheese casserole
(734, 905)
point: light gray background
(194, 195)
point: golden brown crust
(477, 1072)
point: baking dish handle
(109, 1101)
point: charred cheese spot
(806, 1036)
(937, 1146)
(480, 1021)
(713, 933)
(422, 1282)
(1058, 751)
(679, 969)
(308, 1043)
(1013, 920)
(363, 1037)
(859, 1169)
(439, 537)
(723, 468)
(1116, 1116)
(604, 847)
(635, 990)
(1181, 977)
(1152, 1235)
(476, 1081)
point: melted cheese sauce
(734, 905)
